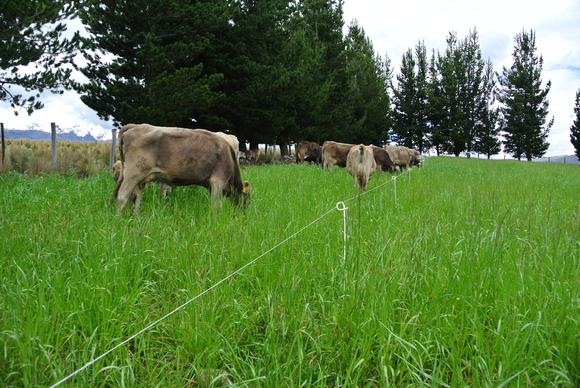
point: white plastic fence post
(341, 206)
(394, 178)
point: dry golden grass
(34, 157)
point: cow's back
(334, 153)
(178, 156)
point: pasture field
(471, 279)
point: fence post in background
(564, 160)
(53, 143)
(549, 159)
(113, 144)
(3, 146)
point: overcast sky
(395, 25)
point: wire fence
(339, 206)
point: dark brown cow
(383, 159)
(177, 156)
(308, 151)
(334, 153)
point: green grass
(471, 279)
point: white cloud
(394, 26)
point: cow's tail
(361, 150)
(123, 129)
(119, 181)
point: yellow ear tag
(245, 189)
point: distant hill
(571, 159)
(36, 134)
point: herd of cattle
(177, 156)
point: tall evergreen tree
(258, 79)
(405, 100)
(411, 99)
(436, 114)
(421, 130)
(460, 94)
(524, 100)
(367, 98)
(157, 61)
(448, 65)
(487, 126)
(473, 96)
(324, 19)
(575, 128)
(32, 36)
(314, 57)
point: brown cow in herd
(177, 156)
(308, 151)
(334, 153)
(360, 162)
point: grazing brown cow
(383, 159)
(334, 153)
(308, 151)
(177, 156)
(360, 162)
(404, 157)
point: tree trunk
(284, 150)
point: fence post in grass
(549, 159)
(564, 160)
(53, 143)
(3, 146)
(341, 206)
(113, 144)
(394, 178)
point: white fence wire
(340, 206)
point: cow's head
(245, 194)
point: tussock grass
(471, 279)
(33, 157)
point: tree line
(279, 71)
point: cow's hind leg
(164, 190)
(116, 190)
(217, 187)
(126, 192)
(137, 196)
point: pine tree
(258, 79)
(367, 97)
(575, 128)
(421, 130)
(314, 58)
(448, 67)
(436, 114)
(487, 126)
(473, 97)
(524, 100)
(324, 20)
(404, 100)
(32, 36)
(158, 61)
